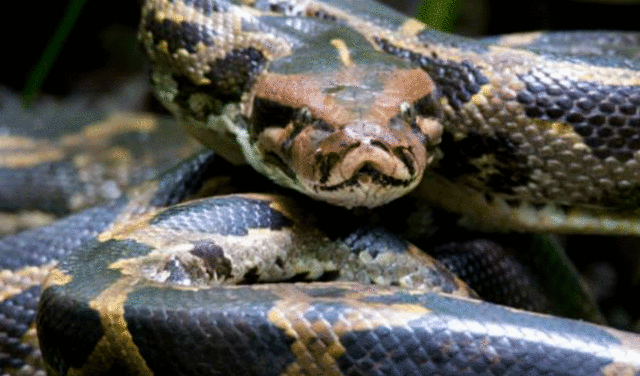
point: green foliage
(439, 14)
(41, 69)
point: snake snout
(356, 136)
(382, 153)
(363, 163)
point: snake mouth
(365, 175)
(360, 165)
(368, 187)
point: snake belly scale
(352, 104)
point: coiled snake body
(355, 105)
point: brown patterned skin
(534, 136)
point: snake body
(517, 132)
(141, 290)
(356, 105)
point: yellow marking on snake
(343, 51)
(412, 27)
(57, 277)
(110, 305)
(13, 282)
(317, 343)
(23, 152)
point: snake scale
(351, 104)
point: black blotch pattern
(230, 77)
(324, 15)
(66, 341)
(607, 117)
(379, 145)
(511, 168)
(427, 106)
(327, 291)
(218, 98)
(250, 277)
(215, 262)
(236, 71)
(215, 339)
(178, 35)
(457, 81)
(282, 7)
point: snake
(354, 109)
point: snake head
(354, 138)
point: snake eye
(304, 115)
(407, 111)
(268, 113)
